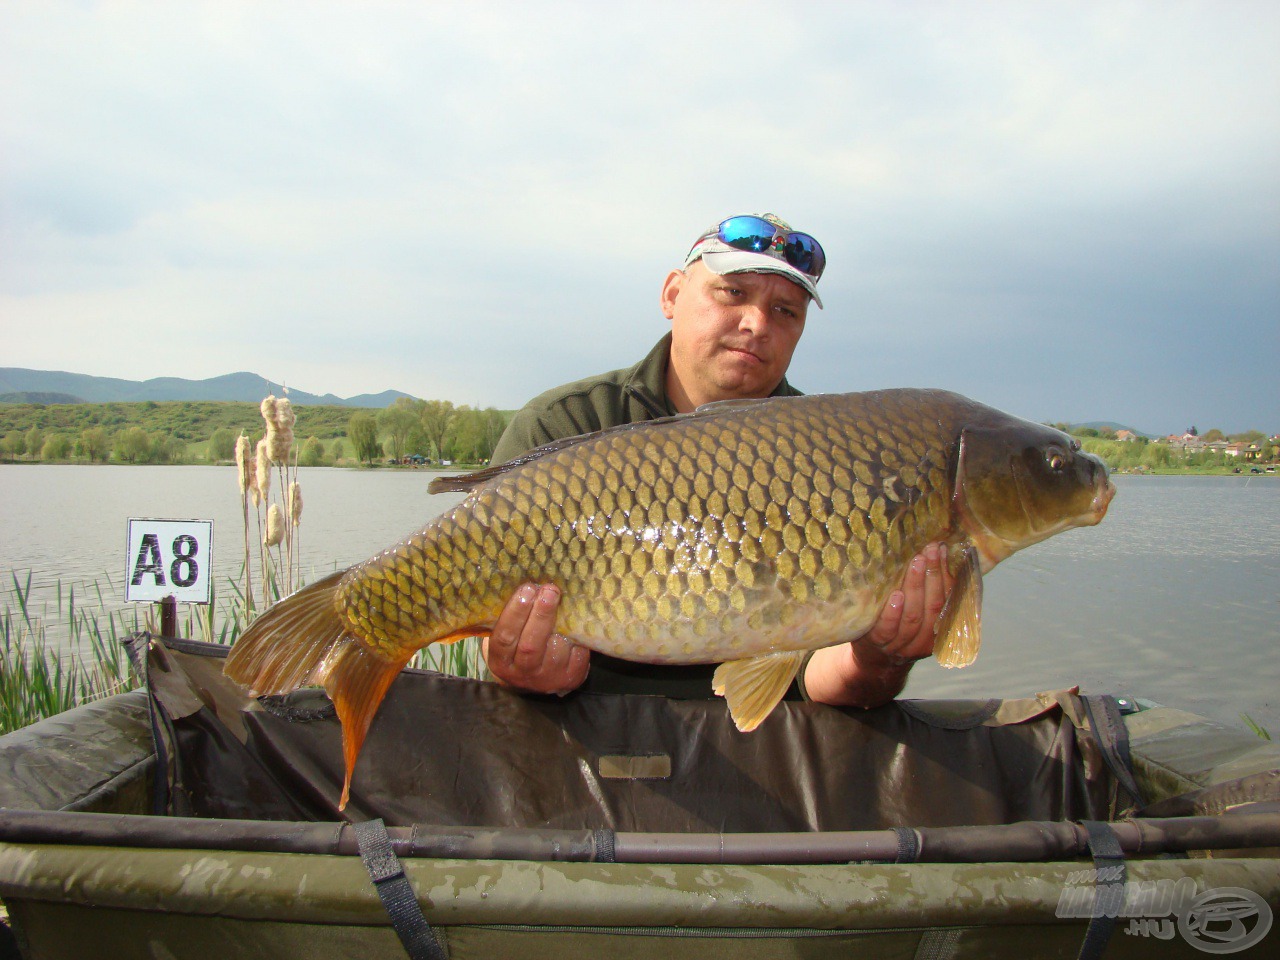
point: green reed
(463, 658)
(1253, 725)
(38, 678)
(57, 651)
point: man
(737, 311)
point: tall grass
(462, 659)
(38, 678)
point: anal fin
(960, 624)
(754, 687)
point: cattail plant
(280, 444)
(281, 437)
(262, 472)
(281, 570)
(295, 518)
(245, 475)
(275, 526)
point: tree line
(206, 431)
(434, 429)
(94, 445)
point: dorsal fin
(466, 482)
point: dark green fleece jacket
(631, 395)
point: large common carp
(745, 534)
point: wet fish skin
(747, 533)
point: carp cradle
(187, 820)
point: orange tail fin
(357, 681)
(302, 641)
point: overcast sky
(1067, 210)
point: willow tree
(362, 431)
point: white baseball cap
(761, 243)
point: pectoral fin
(960, 623)
(754, 687)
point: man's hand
(873, 669)
(905, 630)
(524, 650)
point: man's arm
(524, 650)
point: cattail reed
(251, 477)
(242, 462)
(276, 447)
(295, 518)
(295, 502)
(244, 474)
(264, 469)
(279, 419)
(275, 526)
(280, 431)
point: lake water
(1175, 597)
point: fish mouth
(1101, 501)
(1104, 492)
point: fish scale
(745, 534)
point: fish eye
(1056, 458)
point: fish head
(1018, 482)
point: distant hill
(20, 385)
(30, 396)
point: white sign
(169, 558)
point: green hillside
(190, 421)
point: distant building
(1126, 436)
(1186, 443)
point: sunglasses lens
(748, 233)
(805, 254)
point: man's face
(731, 337)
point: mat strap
(395, 892)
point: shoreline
(1244, 472)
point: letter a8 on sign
(169, 558)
